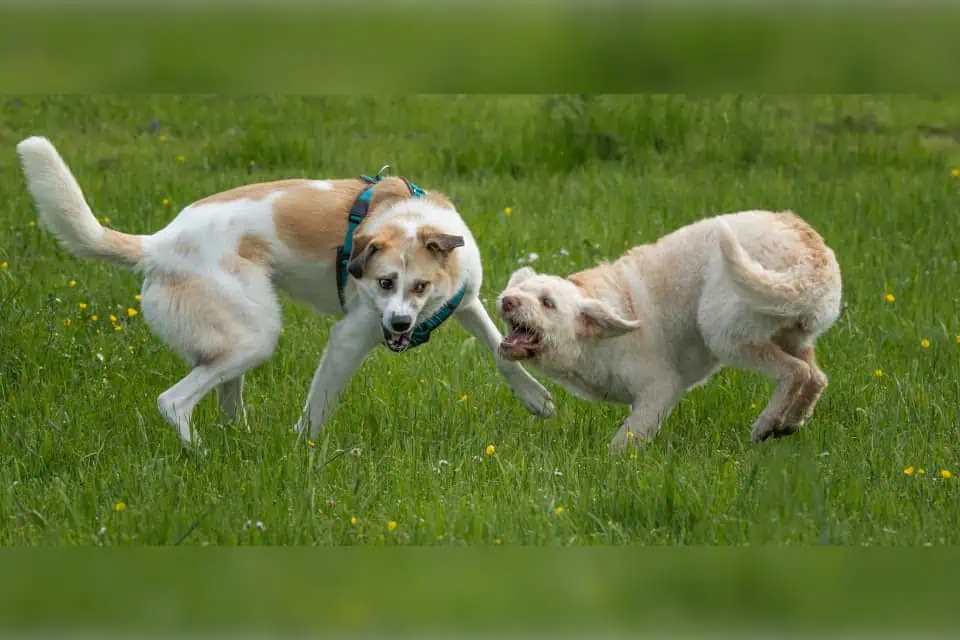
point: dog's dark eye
(548, 302)
(420, 287)
(385, 283)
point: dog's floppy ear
(441, 244)
(595, 319)
(363, 249)
(521, 274)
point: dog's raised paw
(537, 400)
(775, 431)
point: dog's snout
(509, 303)
(400, 323)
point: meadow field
(429, 447)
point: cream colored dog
(753, 290)
(209, 278)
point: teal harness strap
(421, 333)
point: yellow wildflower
(925, 343)
(67, 322)
(507, 211)
(72, 283)
(559, 511)
(165, 202)
(890, 297)
(118, 507)
(113, 318)
(491, 449)
(83, 306)
(311, 443)
(878, 373)
(944, 473)
(497, 541)
(921, 472)
(631, 435)
(131, 312)
(117, 327)
(464, 398)
(4, 265)
(958, 339)
(955, 173)
(94, 317)
(162, 138)
(753, 405)
(353, 520)
(908, 471)
(138, 297)
(105, 220)
(391, 525)
(180, 158)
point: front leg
(349, 342)
(533, 395)
(650, 408)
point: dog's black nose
(400, 323)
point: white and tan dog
(753, 290)
(210, 277)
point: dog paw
(627, 441)
(536, 399)
(772, 429)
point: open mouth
(521, 342)
(397, 342)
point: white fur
(744, 290)
(60, 202)
(226, 321)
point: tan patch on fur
(388, 238)
(446, 267)
(313, 222)
(814, 243)
(251, 251)
(254, 249)
(257, 191)
(604, 282)
(124, 246)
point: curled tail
(774, 292)
(64, 211)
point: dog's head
(547, 316)
(404, 275)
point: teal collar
(421, 333)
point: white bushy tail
(774, 292)
(64, 211)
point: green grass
(80, 432)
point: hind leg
(799, 344)
(223, 327)
(178, 402)
(790, 373)
(806, 400)
(230, 399)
